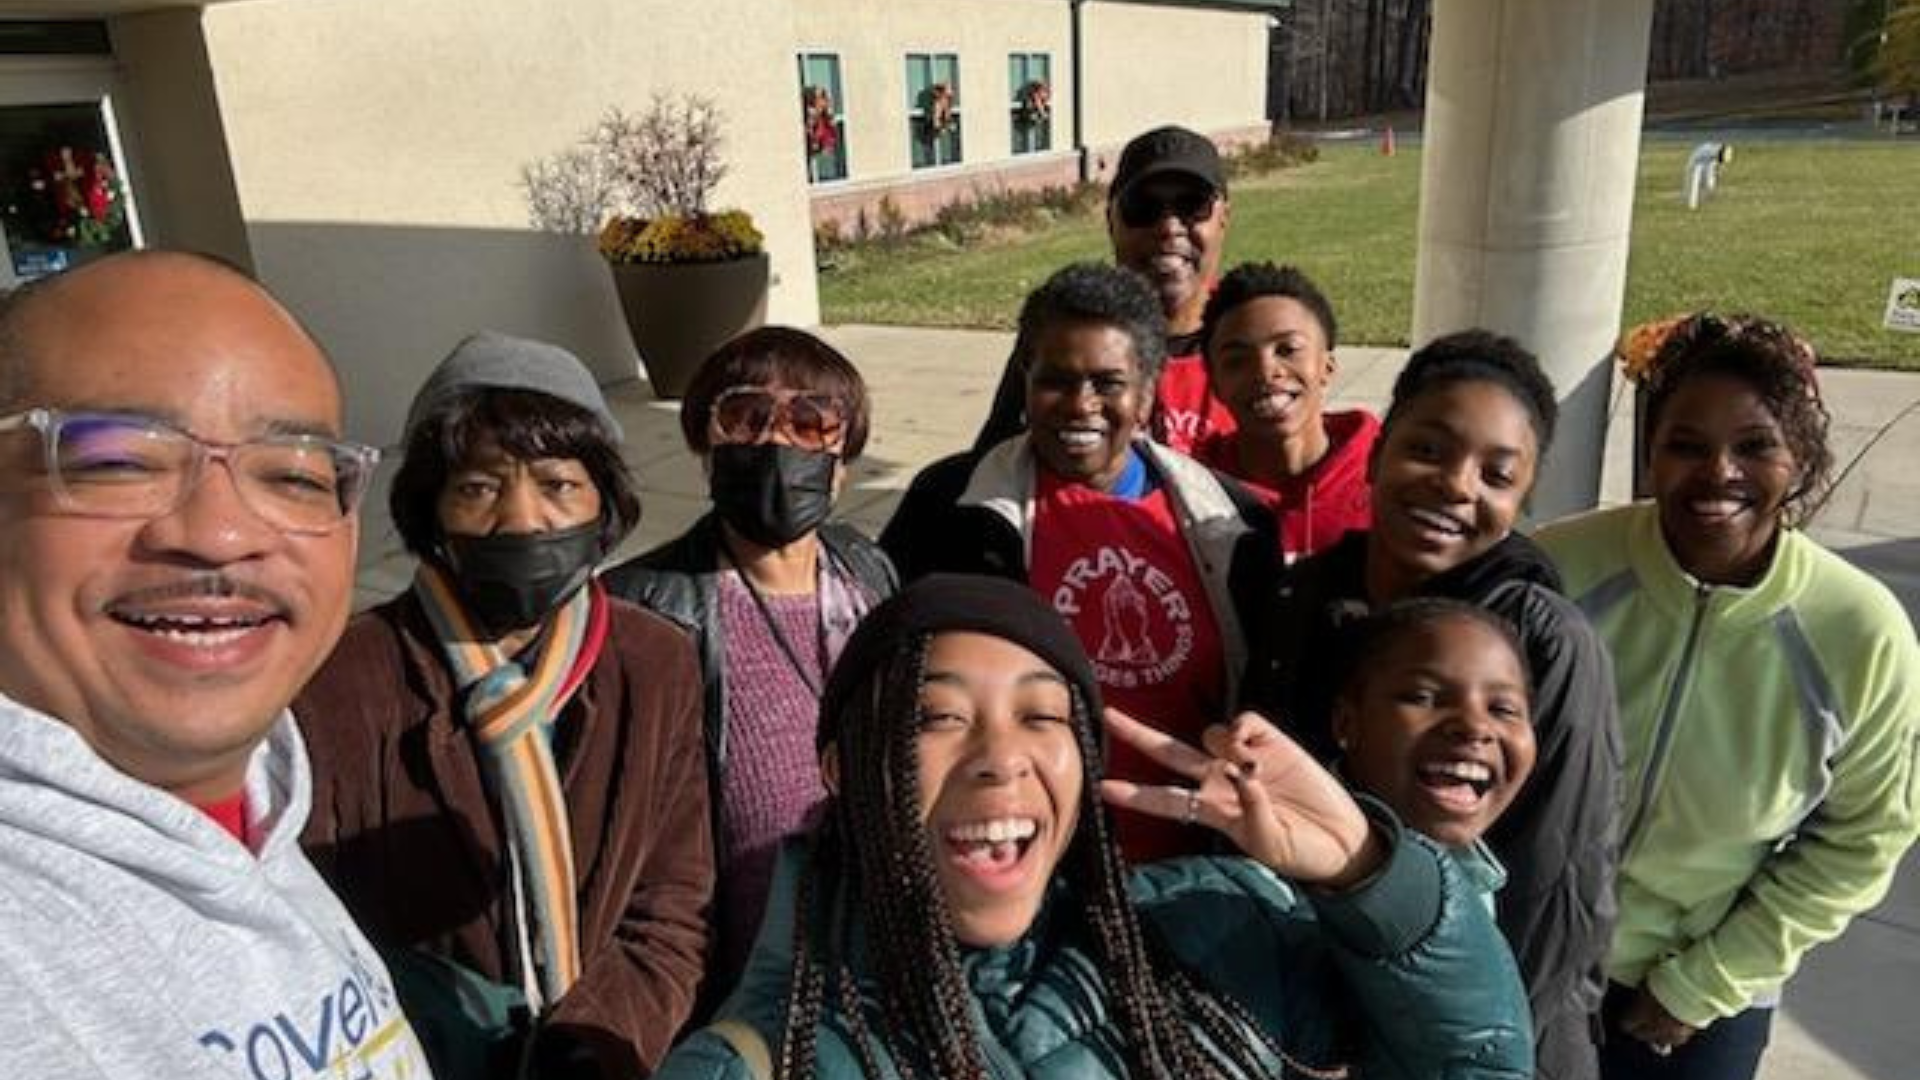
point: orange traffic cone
(1386, 142)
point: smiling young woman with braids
(963, 911)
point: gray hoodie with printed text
(139, 939)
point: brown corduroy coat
(405, 830)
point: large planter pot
(680, 312)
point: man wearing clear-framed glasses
(177, 541)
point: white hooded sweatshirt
(139, 939)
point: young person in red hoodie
(1268, 336)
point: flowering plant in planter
(642, 183)
(672, 238)
(687, 277)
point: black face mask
(771, 494)
(511, 581)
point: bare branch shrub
(569, 192)
(664, 161)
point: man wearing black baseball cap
(1167, 214)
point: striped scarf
(510, 711)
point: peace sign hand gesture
(1257, 786)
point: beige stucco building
(1109, 71)
(363, 156)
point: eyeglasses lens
(808, 421)
(813, 421)
(98, 454)
(1141, 208)
(128, 467)
(742, 415)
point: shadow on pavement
(1897, 564)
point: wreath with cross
(816, 114)
(74, 196)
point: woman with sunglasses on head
(509, 789)
(1769, 694)
(769, 588)
(962, 911)
(1471, 415)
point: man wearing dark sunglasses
(1167, 215)
(177, 533)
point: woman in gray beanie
(964, 912)
(510, 790)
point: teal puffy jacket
(1408, 969)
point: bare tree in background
(1344, 57)
(1307, 47)
(1410, 68)
(1697, 39)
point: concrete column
(1532, 144)
(172, 123)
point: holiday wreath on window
(936, 109)
(74, 196)
(816, 109)
(1036, 103)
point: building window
(67, 199)
(933, 108)
(1030, 91)
(54, 37)
(823, 117)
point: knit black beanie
(988, 605)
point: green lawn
(1807, 232)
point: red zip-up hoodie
(1319, 506)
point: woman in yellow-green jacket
(1769, 696)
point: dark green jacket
(1406, 977)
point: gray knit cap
(494, 361)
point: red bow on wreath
(817, 117)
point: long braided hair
(871, 855)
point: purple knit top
(771, 786)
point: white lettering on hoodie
(139, 939)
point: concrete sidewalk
(1847, 1016)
